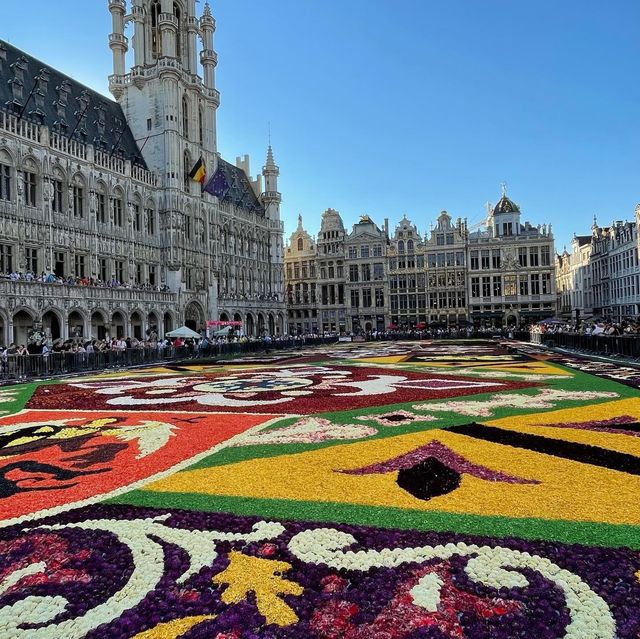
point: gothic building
(102, 231)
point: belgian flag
(198, 172)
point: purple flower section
(612, 426)
(445, 455)
(357, 600)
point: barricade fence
(24, 367)
(626, 345)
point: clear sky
(392, 107)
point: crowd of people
(70, 280)
(598, 326)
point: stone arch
(137, 325)
(261, 324)
(167, 322)
(272, 324)
(118, 324)
(153, 325)
(52, 322)
(6, 156)
(224, 317)
(58, 173)
(22, 321)
(250, 325)
(98, 324)
(76, 322)
(194, 316)
(31, 163)
(281, 324)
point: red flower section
(301, 389)
(402, 616)
(44, 559)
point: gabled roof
(583, 239)
(240, 192)
(63, 104)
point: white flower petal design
(147, 558)
(590, 614)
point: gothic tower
(271, 200)
(170, 107)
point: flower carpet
(404, 490)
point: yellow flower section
(173, 629)
(246, 574)
(568, 490)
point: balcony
(53, 294)
(117, 40)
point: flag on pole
(198, 172)
(218, 184)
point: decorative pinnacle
(300, 222)
(207, 10)
(270, 161)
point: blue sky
(392, 107)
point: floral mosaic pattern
(294, 389)
(427, 490)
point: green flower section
(588, 533)
(578, 382)
(14, 398)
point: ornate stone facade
(500, 274)
(511, 269)
(100, 223)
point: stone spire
(270, 161)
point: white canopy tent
(184, 332)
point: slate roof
(240, 192)
(63, 104)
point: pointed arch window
(156, 35)
(177, 12)
(187, 170)
(300, 244)
(185, 116)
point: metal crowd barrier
(626, 345)
(23, 367)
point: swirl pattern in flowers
(413, 491)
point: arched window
(117, 208)
(185, 117)
(6, 176)
(400, 246)
(156, 36)
(150, 217)
(410, 246)
(178, 14)
(187, 170)
(300, 244)
(201, 125)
